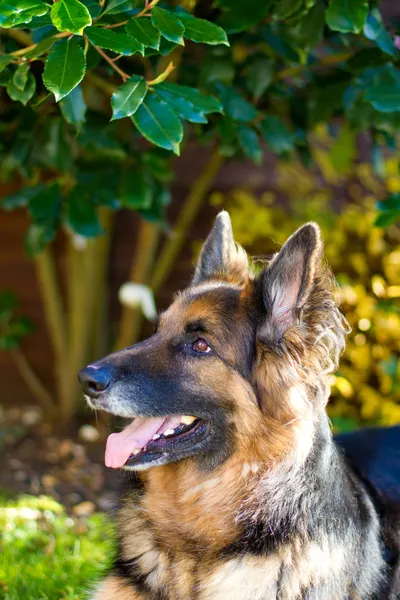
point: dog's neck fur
(194, 508)
(300, 518)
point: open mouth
(149, 439)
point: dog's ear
(286, 283)
(220, 257)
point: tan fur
(116, 588)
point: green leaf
(158, 123)
(161, 197)
(250, 144)
(310, 29)
(56, 151)
(73, 107)
(347, 16)
(260, 73)
(136, 193)
(40, 48)
(181, 106)
(82, 215)
(121, 43)
(390, 203)
(277, 135)
(375, 31)
(65, 68)
(285, 9)
(46, 205)
(201, 102)
(242, 16)
(8, 303)
(234, 105)
(127, 99)
(228, 133)
(24, 95)
(387, 218)
(38, 237)
(20, 327)
(281, 46)
(93, 7)
(17, 12)
(39, 22)
(20, 78)
(144, 32)
(168, 25)
(217, 68)
(200, 30)
(70, 15)
(326, 98)
(384, 92)
(4, 61)
(20, 198)
(115, 7)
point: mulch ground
(70, 468)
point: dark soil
(70, 468)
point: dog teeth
(156, 436)
(136, 451)
(187, 419)
(169, 432)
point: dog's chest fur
(163, 563)
(284, 574)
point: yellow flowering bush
(364, 259)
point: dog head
(239, 361)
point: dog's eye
(201, 346)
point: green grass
(47, 555)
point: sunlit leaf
(384, 92)
(158, 123)
(121, 43)
(347, 16)
(70, 15)
(65, 68)
(144, 32)
(183, 107)
(200, 30)
(17, 12)
(202, 103)
(168, 25)
(126, 100)
(374, 30)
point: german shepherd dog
(238, 491)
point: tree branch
(142, 261)
(186, 217)
(124, 75)
(32, 381)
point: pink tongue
(121, 445)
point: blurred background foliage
(48, 554)
(99, 98)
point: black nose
(94, 379)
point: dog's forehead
(206, 303)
